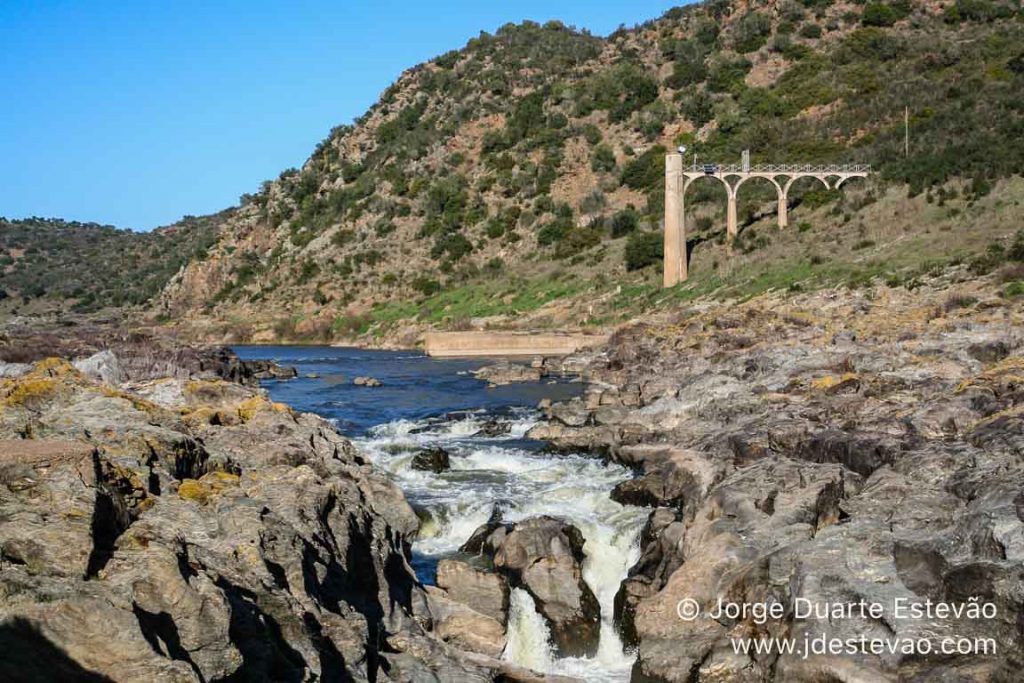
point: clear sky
(135, 113)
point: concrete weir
(456, 344)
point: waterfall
(522, 482)
(528, 635)
(427, 403)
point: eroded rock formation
(188, 529)
(830, 448)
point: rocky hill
(518, 180)
(524, 171)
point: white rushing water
(489, 473)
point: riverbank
(843, 445)
(221, 534)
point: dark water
(415, 386)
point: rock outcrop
(854, 449)
(507, 372)
(543, 556)
(188, 529)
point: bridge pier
(783, 211)
(675, 222)
(731, 224)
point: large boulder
(434, 460)
(482, 591)
(544, 556)
(506, 372)
(464, 627)
(103, 366)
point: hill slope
(50, 264)
(519, 179)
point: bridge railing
(785, 168)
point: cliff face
(526, 168)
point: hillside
(518, 180)
(50, 264)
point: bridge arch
(780, 196)
(793, 179)
(844, 178)
(729, 191)
(732, 177)
(691, 181)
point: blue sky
(136, 113)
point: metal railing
(782, 168)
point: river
(426, 402)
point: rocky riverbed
(819, 449)
(186, 528)
(164, 519)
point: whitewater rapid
(511, 474)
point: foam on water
(528, 641)
(487, 473)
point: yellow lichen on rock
(191, 489)
(137, 401)
(22, 392)
(54, 367)
(1006, 371)
(832, 381)
(44, 381)
(249, 408)
(207, 487)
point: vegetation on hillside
(543, 144)
(539, 149)
(90, 266)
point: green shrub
(727, 75)
(454, 244)
(644, 249)
(646, 170)
(1014, 289)
(624, 222)
(811, 31)
(689, 64)
(752, 32)
(554, 231)
(576, 240)
(879, 14)
(603, 159)
(426, 286)
(620, 91)
(592, 134)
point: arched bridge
(733, 176)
